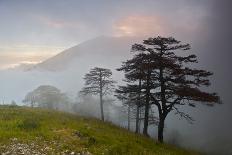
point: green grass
(62, 131)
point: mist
(210, 39)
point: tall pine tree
(170, 80)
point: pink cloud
(139, 25)
(58, 23)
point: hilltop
(31, 131)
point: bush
(91, 141)
(29, 124)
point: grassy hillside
(38, 131)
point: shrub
(29, 124)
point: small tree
(30, 99)
(13, 103)
(129, 100)
(98, 82)
(46, 96)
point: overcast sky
(33, 30)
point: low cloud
(15, 59)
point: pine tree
(139, 78)
(169, 80)
(98, 82)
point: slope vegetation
(37, 131)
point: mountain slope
(100, 50)
(39, 131)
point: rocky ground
(18, 148)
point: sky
(32, 31)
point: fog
(211, 130)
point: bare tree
(98, 82)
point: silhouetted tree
(98, 82)
(46, 96)
(132, 91)
(129, 97)
(171, 81)
(139, 78)
(135, 106)
(13, 103)
(30, 99)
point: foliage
(29, 124)
(46, 96)
(98, 80)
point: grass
(62, 131)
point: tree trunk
(161, 129)
(137, 109)
(129, 116)
(101, 100)
(145, 128)
(146, 116)
(137, 119)
(101, 106)
(162, 115)
(140, 115)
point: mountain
(67, 69)
(31, 131)
(102, 51)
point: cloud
(138, 25)
(14, 59)
(17, 54)
(58, 23)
